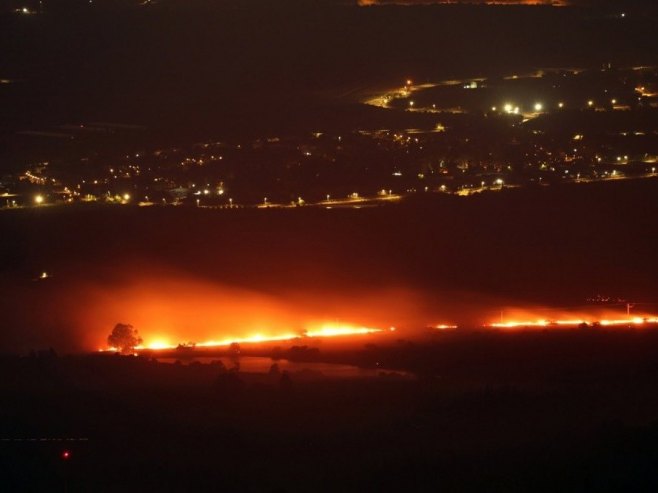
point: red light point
(66, 455)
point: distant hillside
(606, 5)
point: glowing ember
(535, 323)
(632, 321)
(243, 340)
(159, 344)
(444, 327)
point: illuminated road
(465, 185)
(353, 200)
(383, 99)
(359, 201)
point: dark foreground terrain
(543, 411)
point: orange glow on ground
(171, 309)
(315, 331)
(332, 330)
(604, 322)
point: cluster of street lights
(538, 107)
(512, 109)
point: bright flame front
(539, 323)
(315, 331)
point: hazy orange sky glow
(170, 308)
(541, 318)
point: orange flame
(316, 331)
(444, 327)
(542, 323)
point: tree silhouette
(124, 337)
(285, 382)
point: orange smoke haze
(541, 318)
(169, 308)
